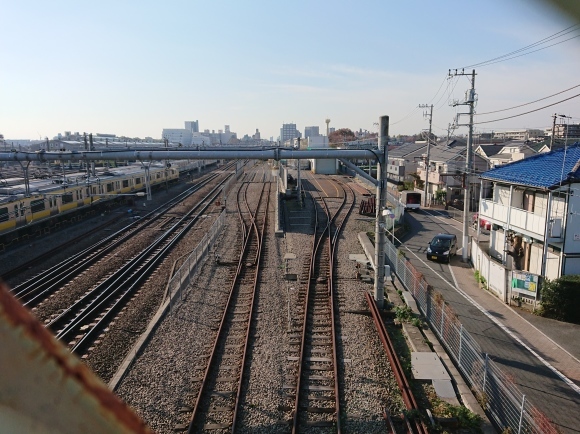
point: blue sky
(135, 67)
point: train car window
(37, 205)
(4, 214)
(117, 185)
(22, 210)
(137, 180)
(67, 198)
(110, 187)
(15, 211)
(125, 183)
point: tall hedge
(561, 299)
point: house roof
(545, 170)
(446, 154)
(490, 150)
(408, 148)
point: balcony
(519, 219)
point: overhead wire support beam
(215, 153)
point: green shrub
(404, 313)
(467, 419)
(560, 299)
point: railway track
(37, 289)
(217, 401)
(159, 215)
(83, 323)
(314, 384)
(415, 426)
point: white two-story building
(534, 208)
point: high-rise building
(192, 126)
(289, 132)
(311, 132)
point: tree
(341, 136)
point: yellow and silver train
(50, 198)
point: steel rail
(260, 235)
(124, 280)
(36, 288)
(150, 265)
(320, 236)
(13, 272)
(333, 242)
(406, 392)
(220, 335)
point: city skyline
(157, 65)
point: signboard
(526, 283)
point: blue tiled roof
(541, 170)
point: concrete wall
(493, 273)
(325, 166)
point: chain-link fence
(496, 391)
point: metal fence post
(484, 372)
(522, 414)
(460, 344)
(189, 270)
(442, 320)
(179, 285)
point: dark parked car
(442, 247)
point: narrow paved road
(540, 385)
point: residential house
(446, 172)
(505, 153)
(534, 208)
(402, 161)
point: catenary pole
(381, 218)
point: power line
(415, 109)
(406, 117)
(440, 86)
(450, 93)
(446, 92)
(528, 103)
(525, 113)
(504, 57)
(530, 52)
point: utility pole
(470, 101)
(553, 131)
(428, 149)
